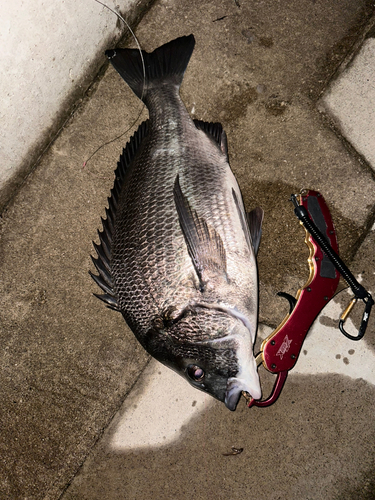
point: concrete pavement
(83, 415)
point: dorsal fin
(216, 132)
(103, 250)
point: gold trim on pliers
(310, 260)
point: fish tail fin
(166, 63)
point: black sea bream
(177, 250)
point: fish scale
(178, 253)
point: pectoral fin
(203, 242)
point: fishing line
(143, 88)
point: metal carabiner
(369, 301)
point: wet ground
(84, 413)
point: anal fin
(255, 220)
(251, 223)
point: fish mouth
(235, 386)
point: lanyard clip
(369, 301)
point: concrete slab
(350, 101)
(165, 429)
(68, 363)
(158, 407)
(47, 73)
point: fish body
(176, 255)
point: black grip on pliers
(359, 291)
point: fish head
(222, 366)
(246, 378)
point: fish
(177, 252)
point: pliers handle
(280, 350)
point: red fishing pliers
(280, 350)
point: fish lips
(235, 386)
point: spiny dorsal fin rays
(104, 285)
(126, 158)
(104, 249)
(103, 263)
(204, 244)
(109, 300)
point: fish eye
(195, 373)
